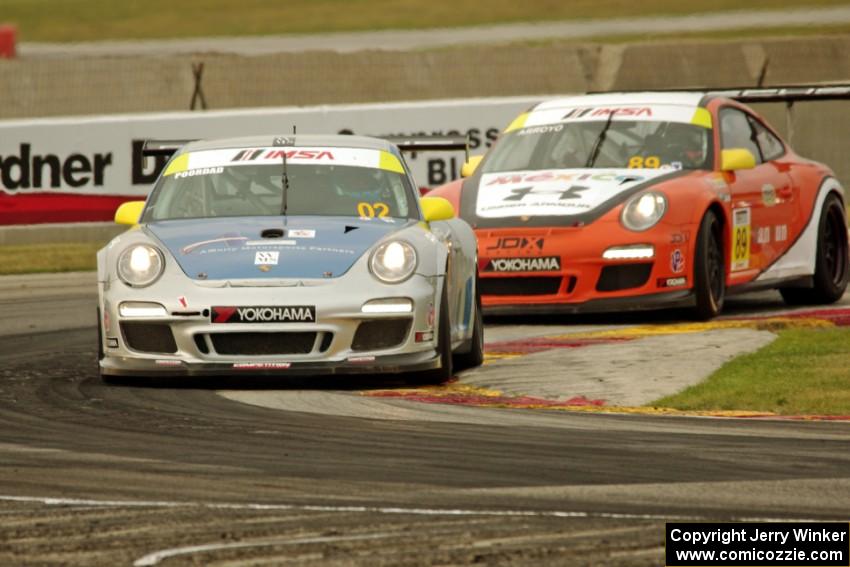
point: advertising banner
(80, 169)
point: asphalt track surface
(167, 474)
(394, 40)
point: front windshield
(641, 144)
(226, 189)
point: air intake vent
(149, 337)
(623, 276)
(381, 334)
(259, 344)
(520, 286)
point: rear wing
(788, 95)
(415, 144)
(783, 94)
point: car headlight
(643, 211)
(393, 261)
(140, 265)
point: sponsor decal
(780, 233)
(261, 365)
(331, 250)
(252, 155)
(677, 261)
(604, 112)
(361, 359)
(264, 314)
(28, 170)
(270, 243)
(231, 241)
(549, 129)
(168, 363)
(201, 171)
(741, 239)
(672, 282)
(266, 258)
(431, 316)
(424, 336)
(554, 192)
(768, 195)
(545, 264)
(763, 235)
(301, 233)
(679, 238)
(184, 303)
(518, 243)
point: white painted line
(50, 501)
(156, 557)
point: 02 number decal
(372, 210)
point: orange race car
(647, 200)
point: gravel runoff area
(344, 42)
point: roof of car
(291, 140)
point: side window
(736, 132)
(771, 146)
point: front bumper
(391, 364)
(189, 319)
(564, 270)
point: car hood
(553, 196)
(248, 248)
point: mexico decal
(563, 192)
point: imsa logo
(265, 314)
(545, 264)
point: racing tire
(709, 269)
(831, 260)
(100, 352)
(444, 347)
(475, 356)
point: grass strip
(40, 258)
(92, 20)
(804, 371)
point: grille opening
(327, 339)
(536, 285)
(149, 337)
(201, 344)
(380, 334)
(571, 284)
(623, 276)
(259, 344)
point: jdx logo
(517, 243)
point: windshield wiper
(600, 139)
(284, 180)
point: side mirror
(469, 167)
(129, 213)
(436, 209)
(735, 159)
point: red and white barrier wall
(71, 170)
